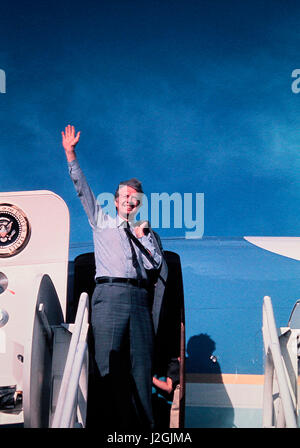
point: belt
(140, 283)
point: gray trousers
(124, 338)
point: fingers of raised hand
(69, 131)
(77, 136)
(69, 134)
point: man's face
(128, 202)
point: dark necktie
(135, 262)
(143, 250)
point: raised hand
(69, 141)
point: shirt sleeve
(91, 206)
(147, 242)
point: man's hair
(133, 182)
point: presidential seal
(14, 230)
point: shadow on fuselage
(203, 368)
(200, 355)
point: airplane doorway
(169, 342)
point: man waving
(126, 255)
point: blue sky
(188, 96)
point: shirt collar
(120, 221)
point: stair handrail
(274, 362)
(69, 385)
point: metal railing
(67, 397)
(275, 368)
